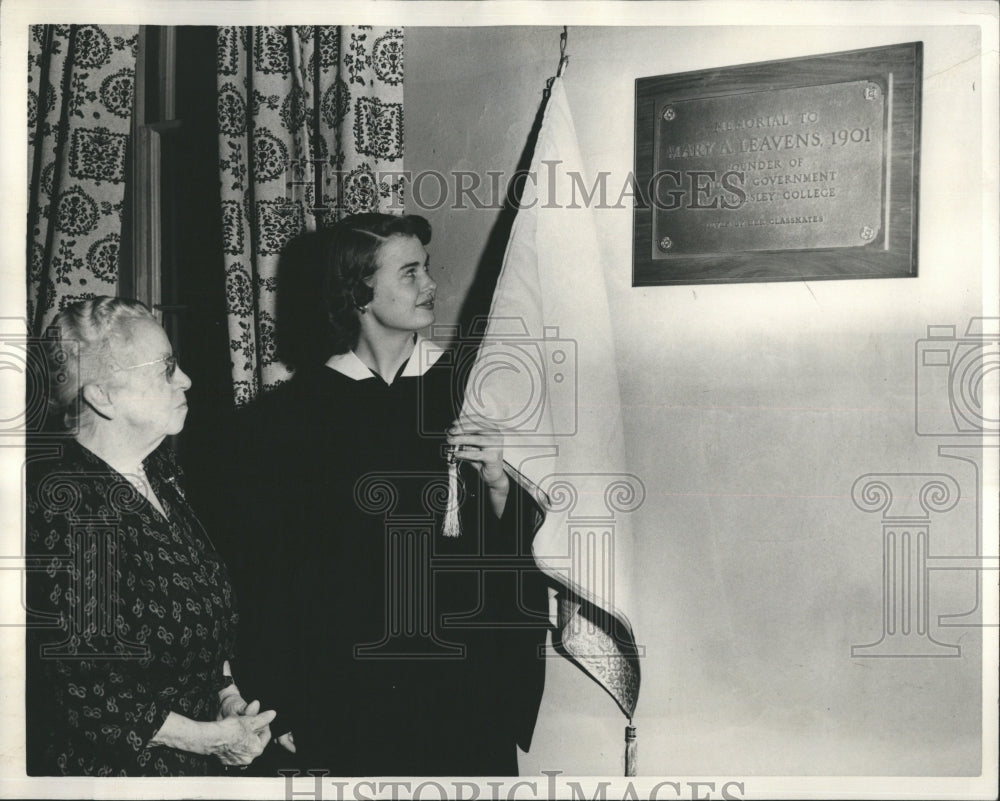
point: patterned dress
(130, 614)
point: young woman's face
(404, 290)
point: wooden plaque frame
(887, 248)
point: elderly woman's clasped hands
(244, 730)
(239, 734)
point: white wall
(751, 410)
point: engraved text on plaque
(783, 169)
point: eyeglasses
(170, 361)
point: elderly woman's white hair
(81, 352)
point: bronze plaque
(789, 169)
(800, 169)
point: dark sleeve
(522, 655)
(521, 516)
(92, 686)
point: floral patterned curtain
(80, 89)
(305, 113)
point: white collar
(425, 353)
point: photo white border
(16, 15)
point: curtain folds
(310, 129)
(80, 98)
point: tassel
(452, 524)
(630, 751)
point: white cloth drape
(545, 374)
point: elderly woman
(386, 647)
(131, 615)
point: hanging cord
(563, 61)
(563, 58)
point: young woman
(386, 647)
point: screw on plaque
(867, 233)
(669, 113)
(871, 91)
(666, 243)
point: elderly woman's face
(147, 386)
(404, 291)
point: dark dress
(386, 648)
(130, 617)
